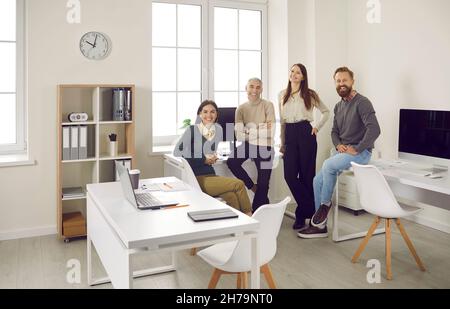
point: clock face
(95, 45)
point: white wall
(28, 194)
(318, 39)
(402, 63)
(278, 48)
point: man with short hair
(254, 127)
(355, 130)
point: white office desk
(278, 189)
(118, 231)
(435, 192)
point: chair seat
(219, 254)
(401, 212)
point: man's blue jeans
(325, 180)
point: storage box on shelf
(85, 158)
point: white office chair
(235, 257)
(377, 198)
(190, 179)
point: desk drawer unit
(348, 193)
(347, 183)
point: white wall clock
(95, 45)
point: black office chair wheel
(67, 240)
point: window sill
(161, 150)
(16, 160)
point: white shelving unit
(97, 102)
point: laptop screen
(156, 203)
(125, 181)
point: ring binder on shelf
(82, 149)
(65, 143)
(74, 143)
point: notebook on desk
(210, 215)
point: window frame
(207, 50)
(158, 141)
(264, 40)
(20, 146)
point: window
(12, 117)
(237, 53)
(202, 50)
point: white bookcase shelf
(97, 102)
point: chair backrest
(375, 195)
(189, 176)
(270, 218)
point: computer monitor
(227, 116)
(424, 135)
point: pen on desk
(176, 206)
(168, 186)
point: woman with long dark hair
(298, 140)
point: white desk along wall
(119, 231)
(407, 186)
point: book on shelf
(73, 192)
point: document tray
(210, 215)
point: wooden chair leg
(193, 251)
(410, 245)
(363, 245)
(214, 278)
(388, 249)
(268, 275)
(244, 281)
(239, 281)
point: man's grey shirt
(355, 123)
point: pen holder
(113, 151)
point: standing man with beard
(355, 130)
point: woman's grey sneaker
(320, 217)
(313, 232)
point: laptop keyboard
(146, 199)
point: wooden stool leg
(363, 245)
(388, 249)
(239, 281)
(193, 251)
(410, 245)
(268, 275)
(214, 278)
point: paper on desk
(149, 188)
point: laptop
(140, 200)
(211, 215)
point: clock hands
(92, 44)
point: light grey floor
(299, 264)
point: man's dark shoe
(313, 232)
(299, 225)
(320, 217)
